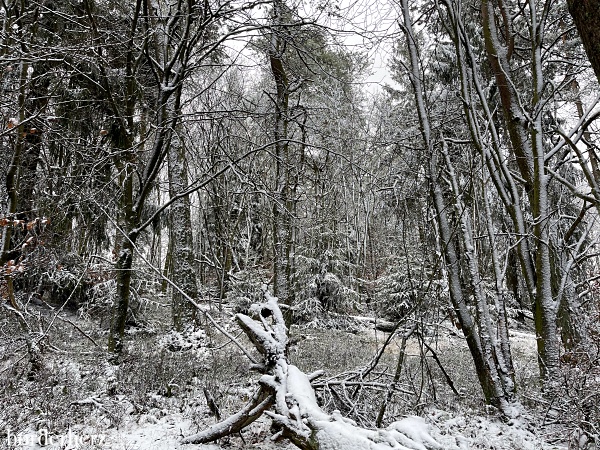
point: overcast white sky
(367, 25)
(363, 25)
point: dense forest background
(174, 162)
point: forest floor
(156, 395)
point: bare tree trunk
(502, 366)
(586, 15)
(499, 292)
(482, 351)
(181, 237)
(126, 222)
(12, 175)
(169, 65)
(282, 208)
(526, 136)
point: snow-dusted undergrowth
(155, 397)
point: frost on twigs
(286, 395)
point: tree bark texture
(126, 243)
(586, 15)
(476, 331)
(182, 244)
(527, 145)
(282, 206)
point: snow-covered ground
(450, 431)
(119, 422)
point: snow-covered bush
(306, 310)
(406, 284)
(394, 296)
(576, 401)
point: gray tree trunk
(282, 206)
(124, 247)
(482, 351)
(528, 147)
(181, 238)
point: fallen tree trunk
(380, 324)
(286, 395)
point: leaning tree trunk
(502, 369)
(296, 414)
(494, 377)
(527, 145)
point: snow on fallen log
(286, 395)
(380, 324)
